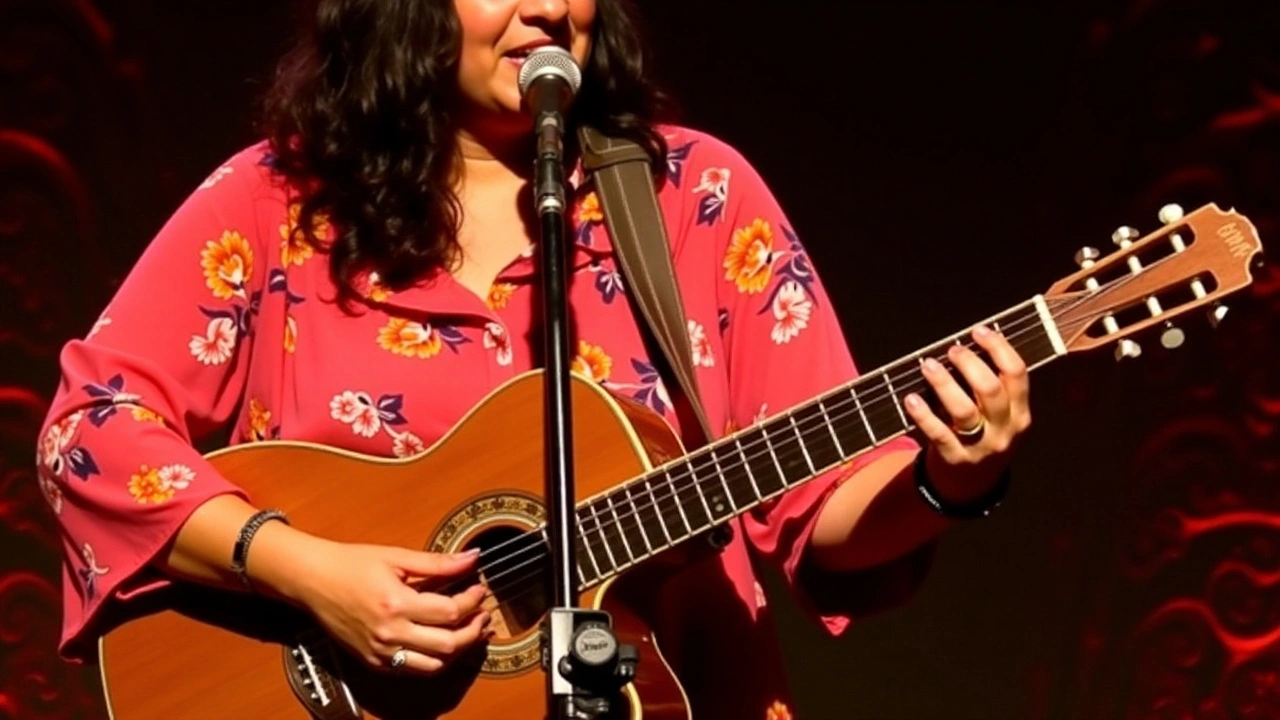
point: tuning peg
(1127, 349)
(1172, 336)
(1124, 236)
(1170, 213)
(1087, 256)
(1216, 314)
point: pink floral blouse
(227, 318)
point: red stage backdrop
(1135, 571)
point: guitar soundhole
(513, 565)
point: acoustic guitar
(202, 653)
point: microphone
(549, 79)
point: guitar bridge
(325, 696)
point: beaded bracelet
(979, 507)
(240, 553)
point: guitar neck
(724, 479)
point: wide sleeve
(784, 346)
(163, 365)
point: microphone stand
(585, 667)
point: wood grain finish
(206, 653)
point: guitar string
(787, 449)
(494, 590)
(734, 464)
(1058, 307)
(1060, 303)
(794, 449)
(790, 451)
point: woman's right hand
(362, 596)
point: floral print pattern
(499, 295)
(416, 340)
(592, 362)
(791, 308)
(61, 453)
(714, 188)
(295, 247)
(106, 397)
(608, 280)
(748, 262)
(389, 379)
(587, 217)
(368, 417)
(792, 300)
(279, 283)
(700, 345)
(258, 425)
(154, 486)
(677, 156)
(648, 387)
(91, 571)
(497, 340)
(228, 265)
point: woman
(364, 277)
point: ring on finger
(399, 659)
(971, 434)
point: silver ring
(399, 658)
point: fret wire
(622, 533)
(800, 441)
(688, 527)
(697, 486)
(598, 543)
(893, 395)
(853, 392)
(580, 549)
(582, 532)
(1038, 341)
(863, 416)
(831, 428)
(742, 494)
(724, 483)
(605, 541)
(635, 511)
(764, 433)
(737, 442)
(662, 521)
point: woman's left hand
(967, 455)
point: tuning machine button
(1216, 314)
(1172, 336)
(1127, 349)
(1087, 256)
(1170, 213)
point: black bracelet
(240, 553)
(977, 508)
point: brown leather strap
(624, 183)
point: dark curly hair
(359, 123)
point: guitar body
(203, 653)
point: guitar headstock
(1192, 261)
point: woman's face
(497, 33)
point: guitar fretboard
(719, 481)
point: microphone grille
(550, 60)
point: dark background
(942, 161)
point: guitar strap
(622, 174)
